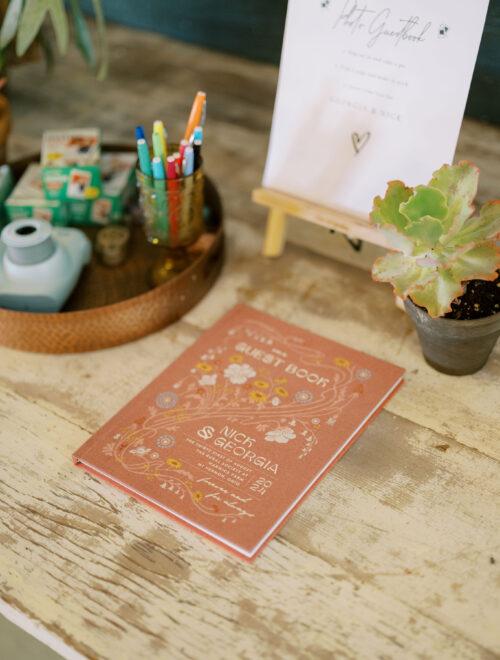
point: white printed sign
(369, 92)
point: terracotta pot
(455, 347)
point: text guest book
(233, 434)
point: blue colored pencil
(188, 161)
(143, 153)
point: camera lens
(28, 241)
(25, 230)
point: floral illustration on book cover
(252, 407)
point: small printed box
(6, 186)
(70, 164)
(27, 200)
(118, 183)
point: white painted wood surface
(395, 554)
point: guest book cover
(233, 434)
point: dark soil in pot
(481, 298)
(461, 342)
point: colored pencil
(196, 114)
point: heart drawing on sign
(359, 141)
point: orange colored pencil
(196, 114)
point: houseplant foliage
(440, 244)
(25, 23)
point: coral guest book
(233, 434)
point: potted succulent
(445, 265)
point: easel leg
(275, 233)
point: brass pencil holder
(172, 209)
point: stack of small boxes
(74, 183)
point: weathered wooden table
(394, 555)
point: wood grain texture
(395, 554)
(348, 225)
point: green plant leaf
(425, 202)
(483, 227)
(10, 22)
(102, 71)
(60, 22)
(458, 183)
(437, 294)
(442, 246)
(477, 263)
(386, 211)
(426, 230)
(402, 272)
(82, 33)
(48, 51)
(397, 240)
(31, 20)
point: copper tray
(112, 306)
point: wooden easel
(281, 204)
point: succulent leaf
(438, 294)
(483, 227)
(458, 183)
(397, 240)
(426, 230)
(480, 262)
(439, 246)
(402, 272)
(425, 202)
(386, 210)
